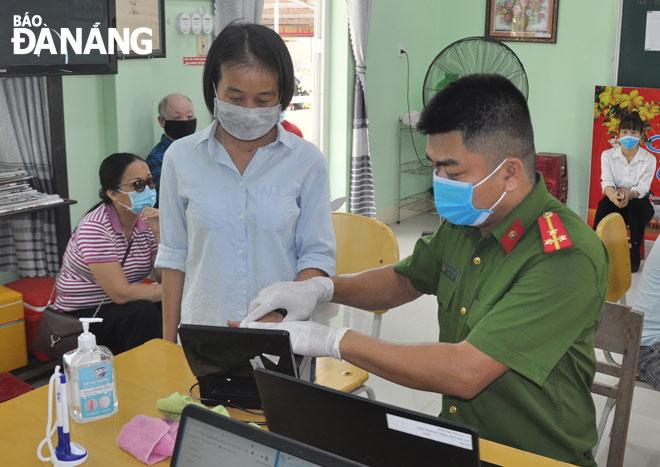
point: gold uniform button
(463, 310)
(476, 260)
(453, 410)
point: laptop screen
(366, 431)
(209, 439)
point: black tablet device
(223, 359)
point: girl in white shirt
(626, 174)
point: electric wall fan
(473, 55)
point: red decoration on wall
(610, 103)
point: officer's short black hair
(251, 45)
(490, 113)
(631, 121)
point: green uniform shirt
(535, 312)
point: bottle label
(97, 395)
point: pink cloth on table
(148, 439)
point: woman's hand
(150, 217)
(626, 196)
(616, 196)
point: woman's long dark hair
(111, 172)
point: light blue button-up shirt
(234, 235)
(647, 299)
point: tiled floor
(416, 322)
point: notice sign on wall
(652, 37)
(194, 60)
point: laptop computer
(206, 438)
(366, 431)
(223, 359)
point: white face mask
(243, 123)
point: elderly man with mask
(176, 116)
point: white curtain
(244, 11)
(28, 242)
(363, 199)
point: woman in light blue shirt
(647, 301)
(243, 203)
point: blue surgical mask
(453, 200)
(629, 142)
(140, 200)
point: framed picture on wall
(522, 20)
(134, 14)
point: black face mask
(180, 128)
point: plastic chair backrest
(612, 232)
(363, 243)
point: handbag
(58, 331)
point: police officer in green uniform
(520, 282)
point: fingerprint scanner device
(66, 453)
(207, 438)
(223, 359)
(363, 430)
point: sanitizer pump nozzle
(66, 453)
(87, 340)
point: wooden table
(145, 374)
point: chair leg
(370, 393)
(366, 389)
(609, 405)
(375, 325)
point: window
(300, 24)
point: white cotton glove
(308, 338)
(297, 298)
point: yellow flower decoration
(649, 111)
(605, 95)
(631, 101)
(612, 125)
(611, 95)
(612, 103)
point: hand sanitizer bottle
(90, 371)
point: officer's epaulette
(553, 233)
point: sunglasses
(140, 184)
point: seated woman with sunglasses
(110, 253)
